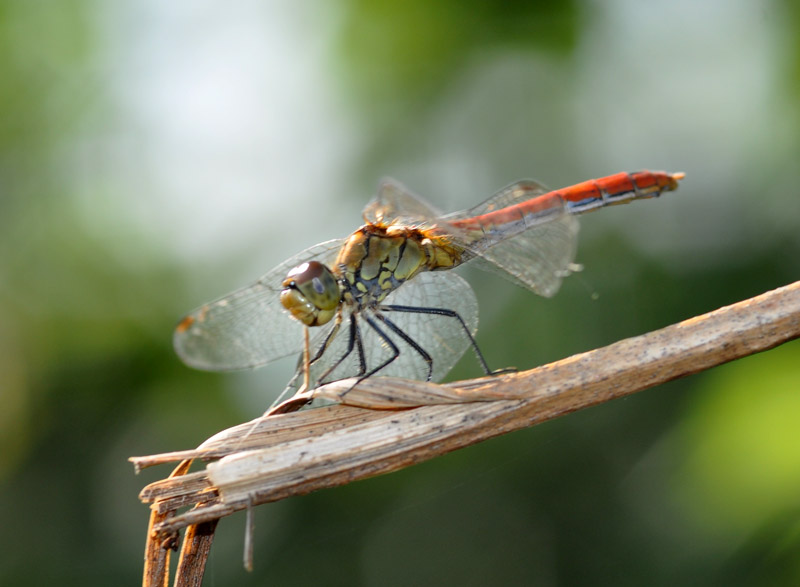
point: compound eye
(317, 284)
(312, 287)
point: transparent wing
(442, 337)
(515, 193)
(533, 250)
(248, 327)
(396, 204)
(537, 259)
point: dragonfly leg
(389, 342)
(362, 359)
(304, 367)
(304, 364)
(306, 359)
(411, 342)
(325, 343)
(449, 314)
(394, 349)
(354, 342)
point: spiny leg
(353, 341)
(411, 342)
(328, 338)
(305, 363)
(450, 314)
(385, 338)
(389, 342)
(306, 359)
(362, 358)
(395, 350)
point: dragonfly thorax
(377, 259)
(311, 293)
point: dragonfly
(383, 301)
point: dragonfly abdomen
(619, 188)
(586, 196)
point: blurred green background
(155, 155)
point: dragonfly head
(311, 293)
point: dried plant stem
(157, 551)
(409, 422)
(194, 553)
